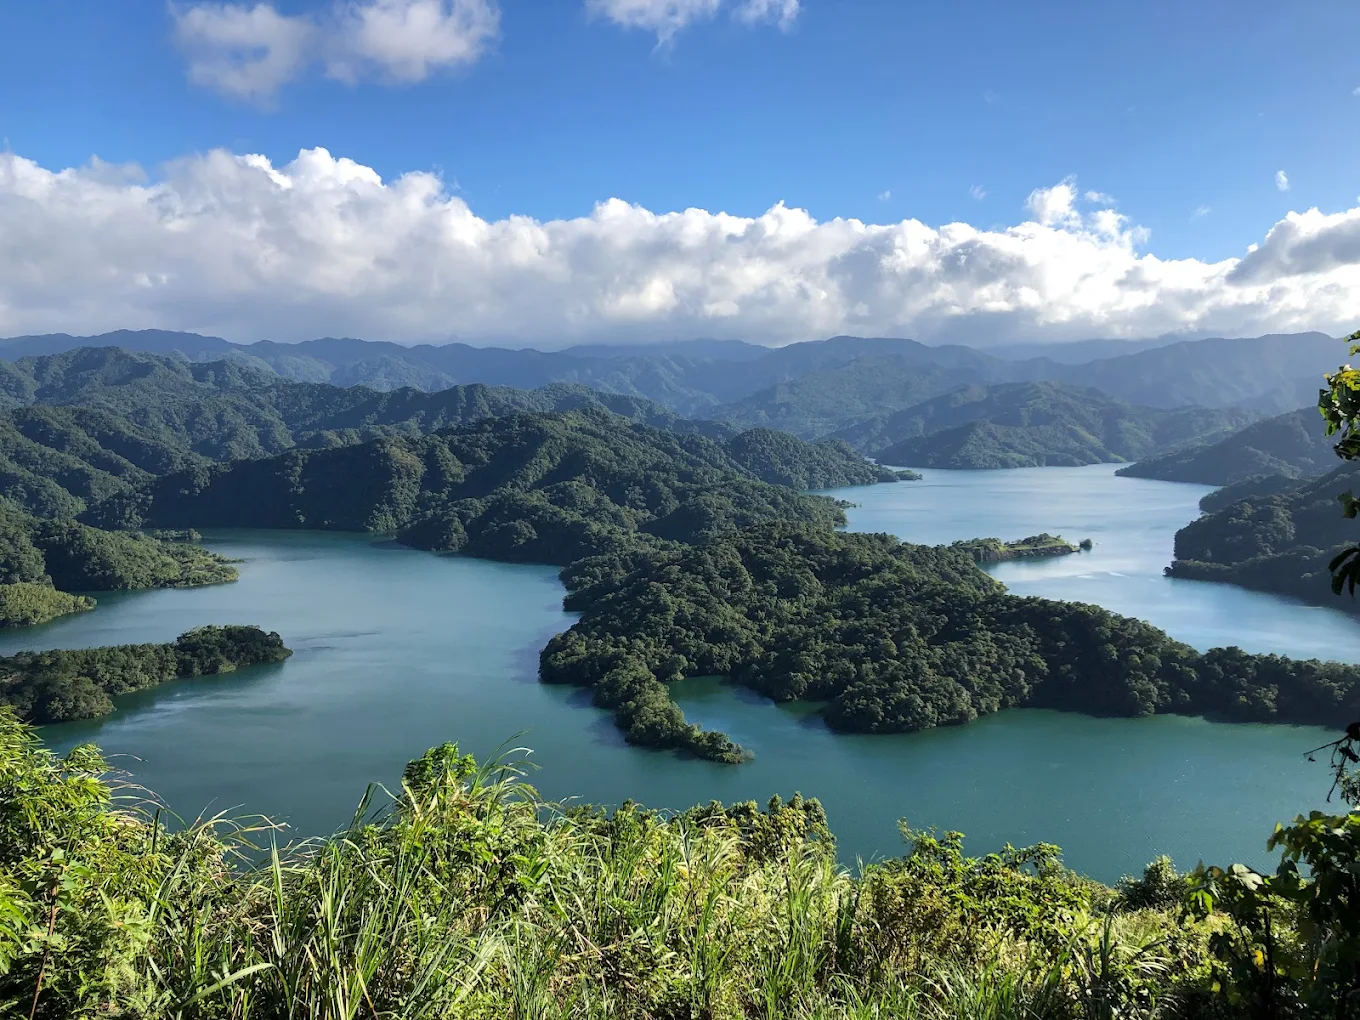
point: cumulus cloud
(1281, 180)
(668, 17)
(240, 247)
(1101, 197)
(250, 50)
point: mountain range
(1034, 425)
(809, 388)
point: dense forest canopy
(544, 487)
(58, 686)
(24, 603)
(891, 637)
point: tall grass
(463, 895)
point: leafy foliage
(466, 896)
(57, 686)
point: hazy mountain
(1214, 373)
(696, 378)
(1033, 424)
(1074, 352)
(1289, 445)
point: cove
(398, 650)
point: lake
(397, 650)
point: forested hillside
(890, 637)
(1278, 541)
(543, 487)
(1289, 445)
(54, 461)
(229, 409)
(73, 557)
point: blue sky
(1169, 107)
(879, 110)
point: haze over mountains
(808, 388)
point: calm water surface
(397, 650)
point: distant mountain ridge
(1292, 445)
(232, 408)
(771, 386)
(1033, 424)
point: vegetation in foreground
(66, 684)
(467, 897)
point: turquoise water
(397, 650)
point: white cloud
(239, 247)
(1056, 205)
(779, 12)
(978, 192)
(1200, 212)
(668, 17)
(242, 50)
(1281, 180)
(885, 195)
(1101, 198)
(249, 50)
(409, 39)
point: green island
(891, 637)
(994, 550)
(58, 686)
